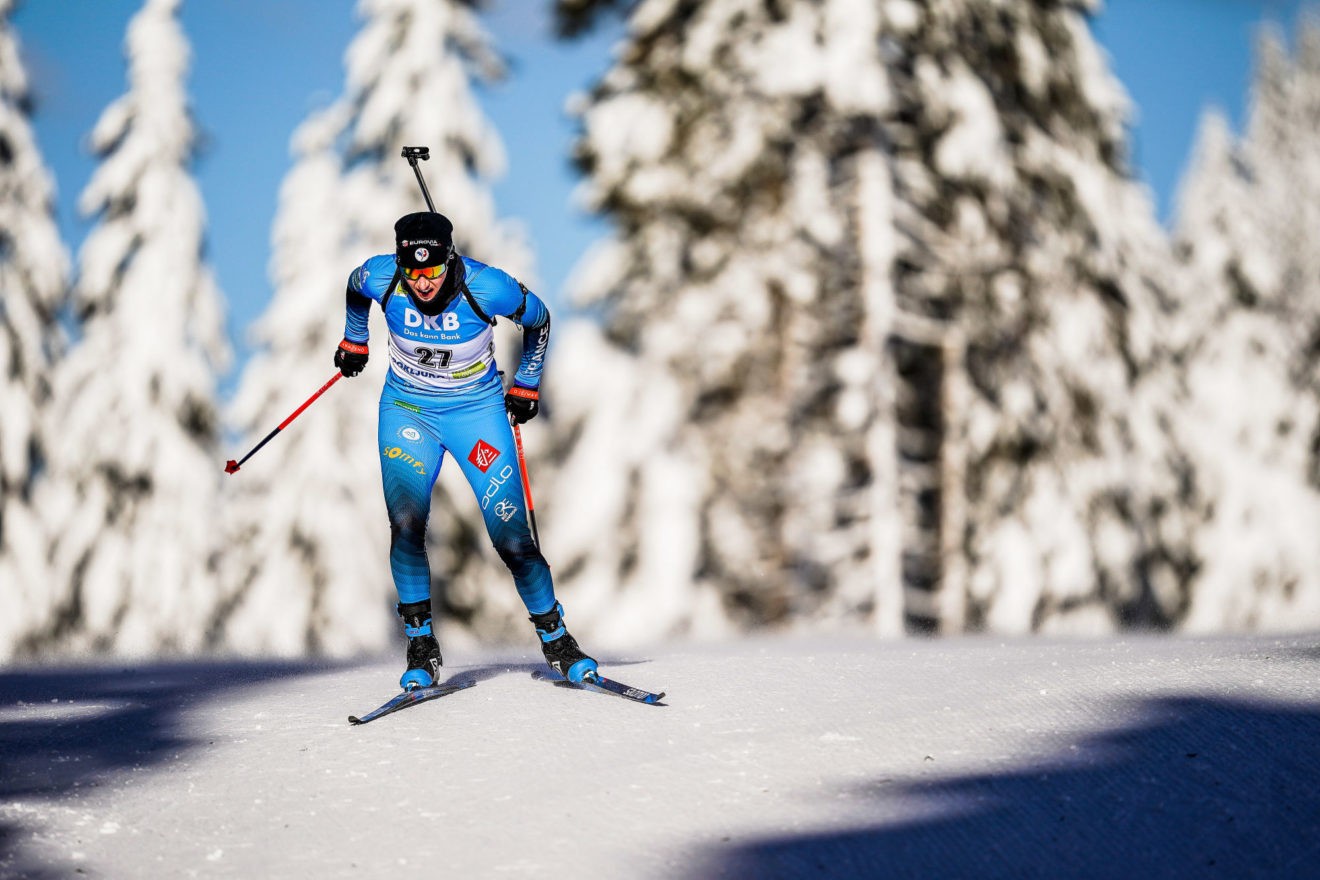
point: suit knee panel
(520, 555)
(408, 525)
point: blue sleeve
(502, 294)
(533, 316)
(533, 311)
(498, 292)
(536, 340)
(357, 304)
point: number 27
(437, 357)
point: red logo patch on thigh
(483, 455)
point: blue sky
(259, 67)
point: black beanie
(423, 239)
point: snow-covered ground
(972, 757)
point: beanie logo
(422, 254)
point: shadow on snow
(1195, 788)
(66, 731)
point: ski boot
(561, 649)
(424, 660)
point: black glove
(351, 357)
(522, 403)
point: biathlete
(443, 393)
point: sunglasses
(425, 271)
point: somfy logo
(396, 452)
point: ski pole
(232, 466)
(412, 154)
(527, 486)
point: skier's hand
(351, 357)
(522, 403)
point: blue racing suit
(444, 393)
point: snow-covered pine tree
(845, 222)
(34, 270)
(1248, 329)
(316, 537)
(133, 465)
(302, 519)
(1035, 275)
(728, 440)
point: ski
(413, 697)
(594, 681)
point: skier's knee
(408, 526)
(520, 555)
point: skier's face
(425, 283)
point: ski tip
(353, 719)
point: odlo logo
(483, 455)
